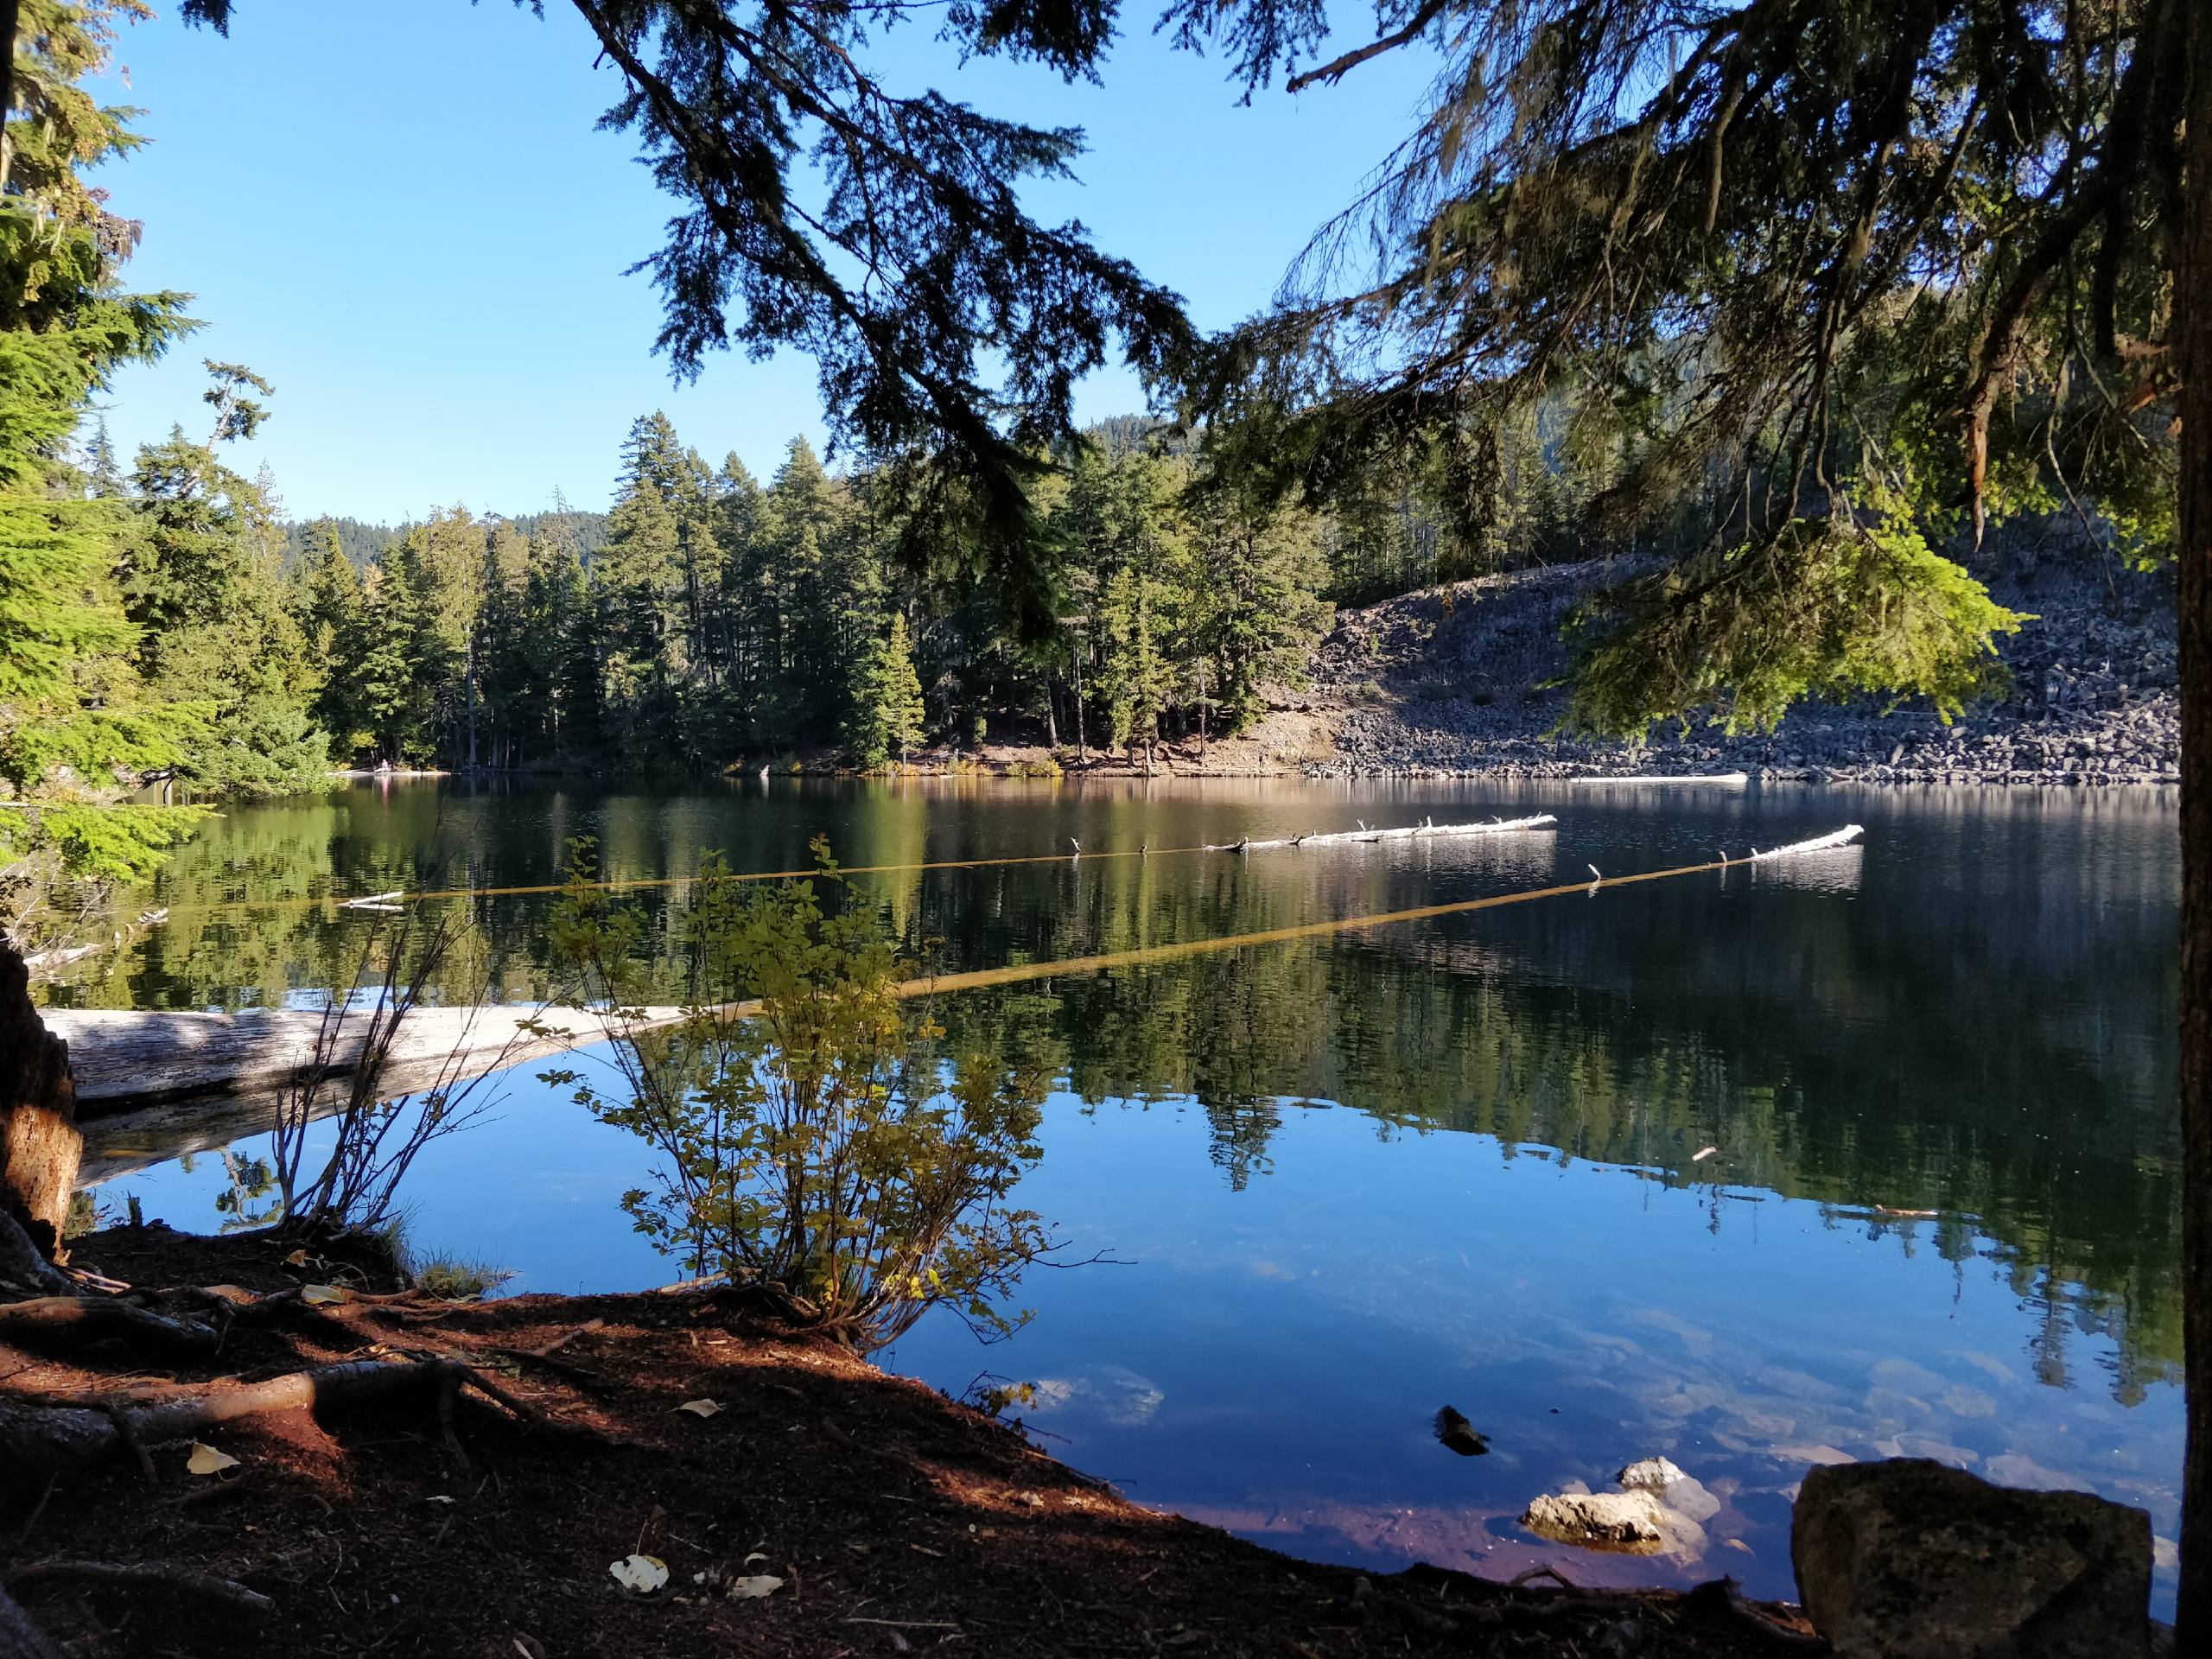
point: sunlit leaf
(207, 1461)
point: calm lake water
(1360, 1177)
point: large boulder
(1911, 1560)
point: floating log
(1423, 831)
(373, 901)
(1828, 843)
(1723, 780)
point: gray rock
(1909, 1560)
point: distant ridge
(365, 543)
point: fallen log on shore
(148, 1056)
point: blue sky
(399, 213)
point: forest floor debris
(825, 1508)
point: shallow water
(1451, 1160)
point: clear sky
(399, 213)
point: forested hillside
(711, 618)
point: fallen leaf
(754, 1588)
(643, 1574)
(207, 1461)
(757, 1556)
(296, 1259)
(320, 1295)
(700, 1408)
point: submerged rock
(1457, 1432)
(1664, 1479)
(1910, 1560)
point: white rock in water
(1650, 1475)
(1683, 1494)
(1631, 1521)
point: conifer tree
(1134, 676)
(904, 714)
(79, 730)
(327, 601)
(885, 713)
(1258, 609)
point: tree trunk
(1082, 742)
(39, 1143)
(2192, 327)
(9, 9)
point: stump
(39, 1142)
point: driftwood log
(39, 1143)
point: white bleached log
(1411, 832)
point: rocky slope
(1440, 682)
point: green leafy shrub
(812, 1136)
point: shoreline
(890, 1516)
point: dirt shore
(890, 1519)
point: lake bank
(891, 1518)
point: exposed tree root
(24, 1265)
(1727, 1594)
(66, 1323)
(37, 1440)
(143, 1575)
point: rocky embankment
(1439, 683)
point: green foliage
(201, 581)
(1719, 267)
(719, 619)
(454, 1278)
(888, 715)
(815, 1139)
(1825, 608)
(79, 727)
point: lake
(1352, 1178)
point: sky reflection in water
(1971, 1016)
